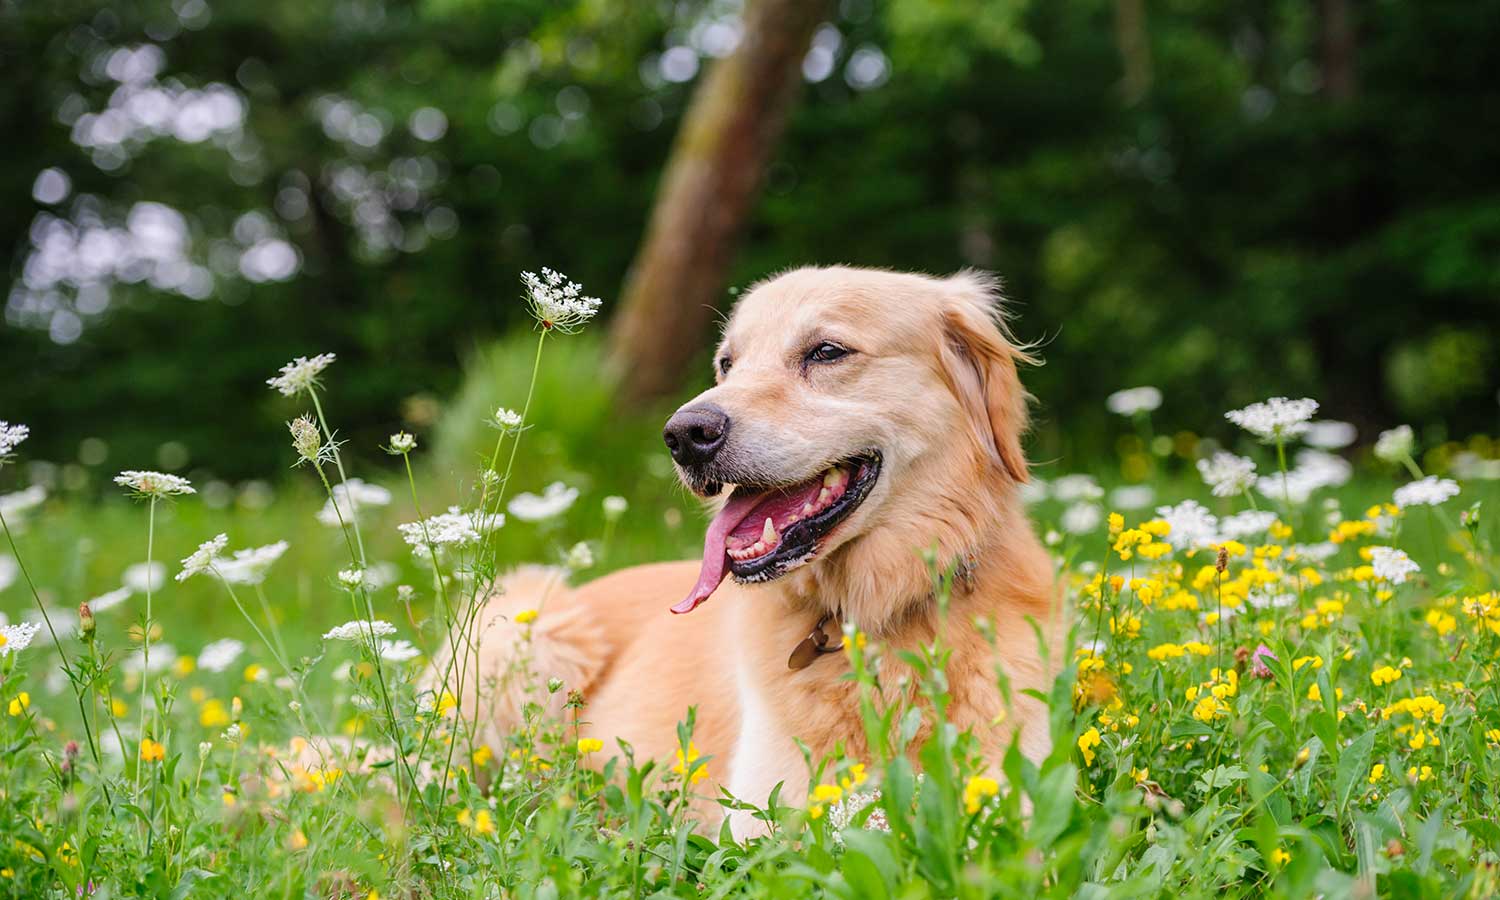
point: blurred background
(1226, 201)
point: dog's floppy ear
(980, 363)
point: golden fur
(934, 385)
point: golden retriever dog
(860, 418)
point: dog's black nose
(695, 434)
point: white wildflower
(1134, 400)
(1395, 445)
(381, 574)
(401, 442)
(1429, 491)
(349, 498)
(506, 419)
(1318, 552)
(162, 656)
(558, 303)
(15, 638)
(301, 374)
(220, 655)
(110, 599)
(13, 504)
(454, 528)
(1072, 488)
(360, 629)
(1329, 434)
(1314, 471)
(579, 557)
(1465, 464)
(1258, 600)
(1227, 474)
(1081, 518)
(1276, 419)
(1392, 565)
(553, 502)
(1132, 496)
(143, 577)
(232, 734)
(841, 814)
(11, 437)
(204, 558)
(614, 507)
(352, 579)
(1249, 523)
(1033, 491)
(250, 566)
(1193, 526)
(153, 484)
(9, 569)
(399, 651)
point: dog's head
(859, 416)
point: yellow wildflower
(685, 761)
(526, 617)
(1384, 675)
(1086, 744)
(977, 790)
(590, 745)
(151, 751)
(1377, 772)
(20, 703)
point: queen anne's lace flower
(1392, 565)
(1193, 526)
(1429, 491)
(11, 437)
(1314, 471)
(1395, 445)
(21, 501)
(1081, 517)
(454, 528)
(506, 419)
(1249, 523)
(359, 629)
(1133, 400)
(1227, 474)
(250, 566)
(110, 599)
(204, 558)
(301, 374)
(349, 497)
(399, 651)
(553, 502)
(153, 484)
(1072, 488)
(220, 655)
(558, 303)
(1329, 434)
(15, 638)
(1276, 419)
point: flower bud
(306, 439)
(85, 623)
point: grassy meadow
(1255, 702)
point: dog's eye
(724, 364)
(826, 352)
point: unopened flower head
(1429, 491)
(307, 440)
(506, 420)
(401, 443)
(1276, 419)
(1134, 400)
(153, 485)
(553, 502)
(1395, 445)
(557, 303)
(615, 507)
(360, 629)
(15, 638)
(1392, 565)
(1227, 474)
(579, 557)
(204, 558)
(301, 374)
(352, 579)
(11, 437)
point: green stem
(146, 643)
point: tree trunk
(1135, 48)
(1336, 22)
(710, 183)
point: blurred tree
(710, 183)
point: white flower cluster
(454, 528)
(15, 638)
(301, 374)
(506, 419)
(11, 437)
(1392, 565)
(1193, 526)
(349, 497)
(204, 558)
(1134, 400)
(1276, 419)
(1429, 491)
(220, 655)
(110, 599)
(399, 651)
(553, 502)
(1227, 474)
(1395, 445)
(557, 303)
(153, 484)
(359, 629)
(250, 566)
(1330, 434)
(1314, 471)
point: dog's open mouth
(762, 533)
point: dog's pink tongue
(715, 560)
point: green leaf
(1353, 766)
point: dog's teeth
(768, 533)
(807, 509)
(824, 496)
(832, 477)
(757, 548)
